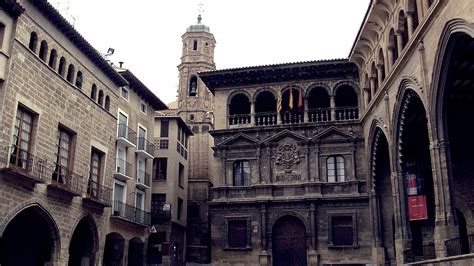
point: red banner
(417, 208)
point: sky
(146, 34)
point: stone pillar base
(378, 255)
(401, 245)
(313, 258)
(264, 258)
(442, 233)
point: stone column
(332, 104)
(366, 97)
(399, 42)
(373, 83)
(410, 24)
(426, 6)
(278, 118)
(264, 256)
(252, 113)
(317, 173)
(313, 256)
(421, 12)
(305, 108)
(390, 60)
(379, 74)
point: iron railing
(267, 118)
(159, 213)
(99, 192)
(460, 245)
(123, 131)
(66, 179)
(25, 163)
(145, 145)
(143, 178)
(130, 213)
(239, 119)
(123, 167)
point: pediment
(334, 134)
(286, 134)
(239, 139)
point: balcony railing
(143, 178)
(28, 165)
(130, 213)
(239, 119)
(319, 115)
(145, 145)
(160, 213)
(124, 132)
(65, 179)
(99, 193)
(263, 119)
(347, 113)
(123, 167)
(460, 245)
(290, 117)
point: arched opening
(346, 103)
(374, 86)
(381, 65)
(193, 89)
(383, 195)
(79, 79)
(392, 47)
(94, 92)
(415, 163)
(292, 106)
(62, 66)
(265, 109)
(319, 105)
(114, 249)
(100, 99)
(70, 73)
(155, 248)
(107, 103)
(30, 238)
(195, 45)
(53, 57)
(43, 52)
(368, 94)
(413, 12)
(289, 242)
(239, 109)
(33, 42)
(403, 28)
(83, 243)
(136, 252)
(456, 110)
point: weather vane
(200, 8)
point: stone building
(75, 135)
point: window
(142, 142)
(2, 34)
(181, 175)
(124, 93)
(119, 198)
(64, 151)
(100, 99)
(107, 103)
(238, 233)
(180, 208)
(122, 130)
(62, 66)
(21, 139)
(140, 200)
(160, 166)
(52, 59)
(193, 86)
(335, 168)
(79, 79)
(33, 41)
(195, 45)
(95, 174)
(94, 92)
(43, 52)
(164, 129)
(241, 173)
(157, 202)
(342, 231)
(70, 73)
(181, 146)
(143, 107)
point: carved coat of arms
(287, 155)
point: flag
(290, 102)
(279, 103)
(300, 97)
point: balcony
(319, 115)
(130, 213)
(126, 136)
(239, 119)
(24, 167)
(160, 213)
(264, 119)
(65, 181)
(123, 170)
(346, 113)
(98, 195)
(145, 148)
(291, 117)
(459, 245)
(143, 179)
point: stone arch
(136, 251)
(90, 221)
(289, 241)
(298, 215)
(84, 242)
(238, 92)
(267, 89)
(321, 84)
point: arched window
(33, 41)
(318, 105)
(239, 109)
(413, 12)
(70, 73)
(292, 106)
(62, 66)
(392, 47)
(381, 64)
(43, 52)
(241, 173)
(367, 89)
(403, 28)
(79, 79)
(100, 100)
(195, 45)
(373, 79)
(265, 109)
(336, 168)
(346, 103)
(94, 92)
(107, 103)
(193, 89)
(2, 34)
(52, 59)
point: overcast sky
(146, 34)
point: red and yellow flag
(279, 102)
(300, 97)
